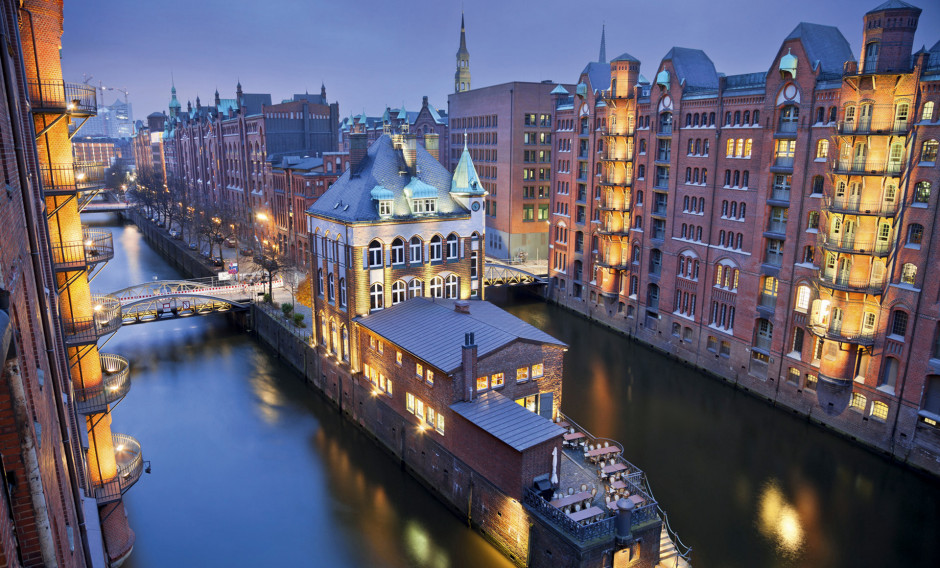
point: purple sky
(376, 53)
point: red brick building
(147, 146)
(427, 120)
(824, 308)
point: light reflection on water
(779, 521)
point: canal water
(252, 469)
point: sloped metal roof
(893, 5)
(693, 67)
(433, 331)
(598, 74)
(824, 45)
(507, 421)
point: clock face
(475, 206)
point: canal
(250, 468)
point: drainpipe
(49, 324)
(11, 371)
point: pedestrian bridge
(164, 299)
(495, 274)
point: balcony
(106, 319)
(114, 386)
(614, 231)
(871, 286)
(615, 263)
(68, 178)
(58, 97)
(95, 247)
(620, 205)
(617, 131)
(866, 168)
(130, 464)
(620, 182)
(617, 155)
(886, 127)
(857, 207)
(847, 244)
(862, 337)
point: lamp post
(269, 264)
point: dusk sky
(371, 54)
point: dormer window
(385, 208)
(424, 206)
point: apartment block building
(773, 228)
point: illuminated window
(419, 407)
(398, 357)
(538, 370)
(929, 151)
(499, 379)
(810, 382)
(429, 377)
(522, 374)
(410, 402)
(879, 410)
(419, 370)
(430, 416)
(822, 149)
(440, 423)
(927, 113)
(803, 294)
(381, 346)
(344, 332)
(859, 401)
(922, 192)
(483, 383)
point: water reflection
(779, 521)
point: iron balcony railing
(105, 319)
(61, 96)
(617, 155)
(130, 464)
(866, 168)
(617, 182)
(875, 247)
(860, 337)
(617, 131)
(115, 382)
(856, 207)
(847, 284)
(67, 178)
(886, 127)
(602, 529)
(614, 204)
(95, 247)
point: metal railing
(115, 382)
(846, 284)
(853, 245)
(861, 337)
(96, 246)
(106, 319)
(856, 207)
(62, 96)
(888, 126)
(64, 179)
(866, 168)
(130, 464)
(603, 528)
(609, 155)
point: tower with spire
(602, 57)
(462, 76)
(174, 103)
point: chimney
(409, 150)
(462, 307)
(424, 102)
(432, 145)
(469, 361)
(358, 147)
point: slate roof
(624, 57)
(507, 421)
(349, 199)
(599, 75)
(252, 102)
(432, 330)
(823, 44)
(893, 5)
(693, 67)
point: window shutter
(546, 400)
(365, 258)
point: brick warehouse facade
(826, 308)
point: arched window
(415, 288)
(652, 297)
(820, 115)
(737, 117)
(922, 192)
(747, 117)
(737, 179)
(898, 323)
(452, 248)
(375, 254)
(803, 295)
(739, 148)
(320, 287)
(727, 178)
(330, 289)
(342, 292)
(398, 251)
(698, 233)
(695, 120)
(688, 120)
(634, 285)
(822, 149)
(928, 152)
(763, 334)
(436, 288)
(818, 183)
(685, 203)
(730, 150)
(376, 297)
(451, 288)
(743, 205)
(927, 114)
(698, 145)
(889, 373)
(915, 234)
(908, 273)
(665, 123)
(871, 57)
(398, 292)
(415, 250)
(344, 346)
(728, 118)
(711, 119)
(324, 329)
(334, 343)
(704, 175)
(688, 175)
(435, 250)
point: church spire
(603, 55)
(462, 76)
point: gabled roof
(693, 68)
(598, 74)
(349, 199)
(507, 421)
(893, 5)
(824, 45)
(559, 90)
(433, 331)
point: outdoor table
(586, 514)
(571, 499)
